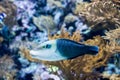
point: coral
(2, 9)
(115, 77)
(100, 14)
(6, 68)
(113, 35)
(10, 9)
(70, 18)
(117, 2)
(1, 39)
(55, 2)
(45, 76)
(24, 8)
(112, 77)
(76, 35)
(45, 23)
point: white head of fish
(47, 51)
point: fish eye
(47, 46)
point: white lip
(32, 52)
(36, 53)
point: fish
(2, 16)
(6, 33)
(62, 49)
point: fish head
(45, 50)
(48, 45)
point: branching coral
(115, 77)
(76, 35)
(112, 77)
(117, 2)
(113, 35)
(100, 14)
(6, 68)
(83, 65)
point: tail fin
(93, 50)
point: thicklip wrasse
(62, 49)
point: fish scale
(71, 48)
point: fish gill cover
(24, 27)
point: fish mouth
(33, 53)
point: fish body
(5, 33)
(62, 49)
